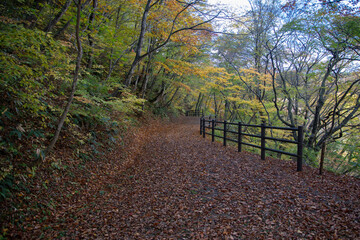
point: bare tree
(311, 84)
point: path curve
(181, 186)
(190, 188)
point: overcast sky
(236, 6)
(231, 3)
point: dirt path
(184, 187)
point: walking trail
(181, 186)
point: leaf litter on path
(177, 185)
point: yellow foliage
(180, 84)
(83, 100)
(164, 66)
(253, 77)
(162, 18)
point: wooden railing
(194, 113)
(213, 125)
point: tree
(178, 16)
(58, 16)
(317, 86)
(75, 80)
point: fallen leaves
(176, 185)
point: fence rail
(194, 113)
(211, 123)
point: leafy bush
(6, 184)
(30, 65)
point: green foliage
(6, 185)
(95, 110)
(23, 9)
(6, 182)
(310, 156)
(344, 156)
(128, 104)
(94, 101)
(35, 75)
(30, 63)
(166, 112)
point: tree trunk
(75, 79)
(148, 72)
(53, 22)
(320, 103)
(198, 102)
(159, 94)
(322, 156)
(138, 77)
(226, 110)
(90, 37)
(172, 98)
(215, 106)
(61, 30)
(139, 44)
(67, 24)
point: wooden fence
(194, 113)
(213, 125)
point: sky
(236, 6)
(231, 3)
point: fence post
(213, 130)
(300, 148)
(201, 121)
(263, 141)
(239, 136)
(225, 133)
(203, 125)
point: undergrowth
(36, 78)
